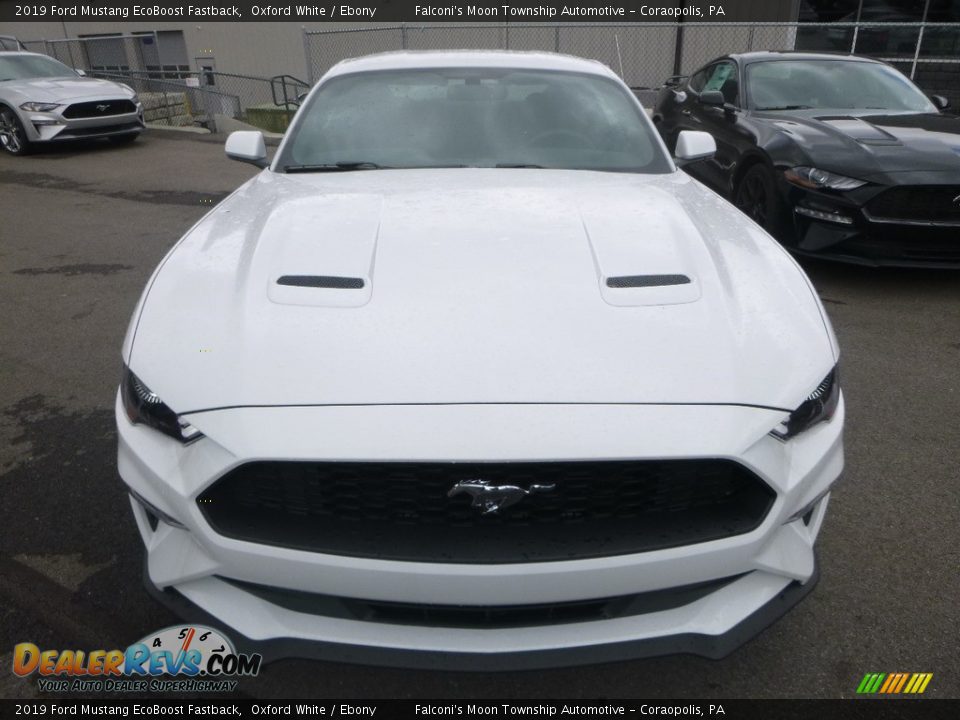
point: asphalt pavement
(82, 228)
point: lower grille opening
(947, 254)
(557, 510)
(92, 131)
(480, 616)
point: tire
(756, 196)
(13, 138)
(121, 140)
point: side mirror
(713, 98)
(301, 97)
(674, 81)
(81, 73)
(940, 101)
(247, 146)
(693, 145)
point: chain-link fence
(109, 54)
(9, 42)
(266, 103)
(173, 103)
(174, 94)
(644, 54)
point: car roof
(768, 55)
(513, 59)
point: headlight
(819, 407)
(39, 106)
(135, 98)
(145, 407)
(808, 177)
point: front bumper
(500, 658)
(42, 127)
(855, 236)
(191, 567)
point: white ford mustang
(472, 376)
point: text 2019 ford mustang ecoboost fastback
(470, 375)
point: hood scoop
(645, 281)
(332, 282)
(643, 255)
(334, 291)
(320, 250)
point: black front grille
(402, 511)
(924, 203)
(99, 108)
(483, 616)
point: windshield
(23, 67)
(476, 117)
(832, 84)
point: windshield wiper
(335, 167)
(518, 165)
(788, 107)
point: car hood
(65, 89)
(478, 286)
(871, 146)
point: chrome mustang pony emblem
(490, 498)
(103, 108)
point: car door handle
(686, 112)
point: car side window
(723, 77)
(698, 79)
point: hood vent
(644, 281)
(333, 282)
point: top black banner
(412, 11)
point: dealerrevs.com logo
(189, 658)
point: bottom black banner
(437, 709)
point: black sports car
(837, 156)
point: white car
(44, 101)
(472, 376)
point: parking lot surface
(82, 228)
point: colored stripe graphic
(874, 684)
(894, 683)
(862, 687)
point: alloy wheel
(752, 198)
(10, 133)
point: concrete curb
(227, 125)
(174, 128)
